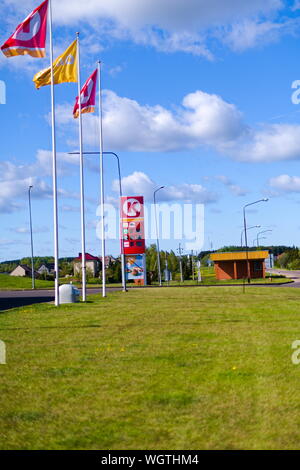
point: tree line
(286, 257)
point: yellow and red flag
(64, 69)
(87, 96)
(30, 36)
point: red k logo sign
(132, 225)
(132, 207)
(87, 96)
(29, 29)
(30, 36)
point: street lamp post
(255, 240)
(167, 268)
(122, 238)
(259, 233)
(249, 228)
(193, 274)
(121, 193)
(180, 250)
(157, 239)
(245, 229)
(31, 237)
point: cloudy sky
(201, 97)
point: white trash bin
(68, 294)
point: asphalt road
(12, 299)
(294, 275)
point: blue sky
(197, 97)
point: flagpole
(83, 260)
(54, 166)
(101, 184)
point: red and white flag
(87, 96)
(30, 36)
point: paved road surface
(12, 299)
(294, 275)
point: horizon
(210, 111)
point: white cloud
(286, 183)
(18, 189)
(20, 230)
(67, 208)
(269, 143)
(223, 179)
(250, 33)
(113, 71)
(166, 14)
(202, 119)
(238, 190)
(167, 25)
(15, 179)
(26, 230)
(140, 183)
(4, 242)
(234, 188)
(41, 166)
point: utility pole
(192, 256)
(199, 270)
(31, 237)
(157, 236)
(167, 269)
(246, 241)
(123, 260)
(180, 251)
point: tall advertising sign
(132, 224)
(133, 236)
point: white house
(92, 264)
(21, 271)
(46, 269)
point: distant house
(21, 271)
(92, 264)
(47, 269)
(109, 260)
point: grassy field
(154, 369)
(208, 277)
(19, 283)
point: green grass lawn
(154, 369)
(19, 283)
(208, 277)
(23, 283)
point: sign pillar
(133, 244)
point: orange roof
(239, 255)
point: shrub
(295, 264)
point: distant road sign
(2, 92)
(269, 262)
